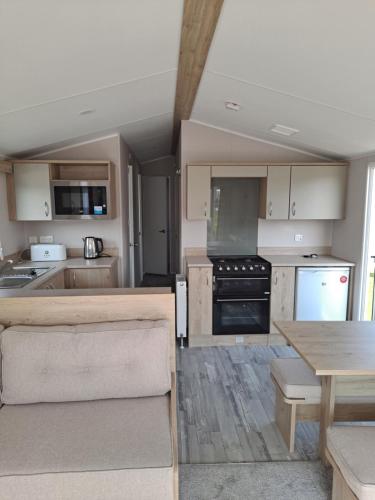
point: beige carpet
(255, 481)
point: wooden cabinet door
(198, 192)
(274, 193)
(32, 191)
(90, 278)
(200, 300)
(282, 295)
(55, 283)
(239, 171)
(317, 192)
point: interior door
(135, 227)
(155, 206)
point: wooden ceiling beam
(199, 22)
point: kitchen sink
(21, 275)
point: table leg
(327, 411)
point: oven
(241, 300)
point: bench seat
(97, 449)
(296, 379)
(353, 451)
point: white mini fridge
(321, 293)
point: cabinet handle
(74, 278)
(294, 208)
(275, 281)
(270, 209)
(46, 209)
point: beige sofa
(88, 410)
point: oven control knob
(243, 268)
(262, 268)
(251, 268)
(235, 268)
(220, 268)
(228, 268)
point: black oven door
(240, 316)
(256, 286)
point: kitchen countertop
(57, 267)
(198, 261)
(299, 261)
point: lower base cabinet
(200, 301)
(55, 283)
(90, 278)
(282, 299)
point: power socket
(46, 239)
(33, 240)
(298, 237)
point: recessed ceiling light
(283, 130)
(233, 106)
(86, 112)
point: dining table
(332, 349)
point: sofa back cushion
(124, 359)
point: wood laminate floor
(226, 407)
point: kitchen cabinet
(198, 192)
(56, 282)
(282, 299)
(239, 171)
(200, 300)
(90, 278)
(29, 196)
(317, 192)
(274, 193)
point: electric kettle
(93, 247)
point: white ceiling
(305, 64)
(300, 63)
(58, 58)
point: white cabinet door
(275, 193)
(198, 192)
(32, 191)
(317, 192)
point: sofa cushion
(85, 362)
(296, 379)
(85, 436)
(124, 484)
(86, 450)
(352, 448)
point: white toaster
(48, 251)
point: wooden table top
(333, 347)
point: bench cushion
(40, 443)
(352, 448)
(124, 359)
(296, 379)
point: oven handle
(242, 300)
(226, 278)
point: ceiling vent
(283, 130)
(233, 106)
(87, 111)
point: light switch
(298, 237)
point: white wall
(12, 234)
(208, 144)
(348, 234)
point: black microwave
(80, 199)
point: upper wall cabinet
(32, 194)
(198, 192)
(274, 193)
(239, 171)
(317, 192)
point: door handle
(270, 209)
(162, 231)
(242, 300)
(294, 208)
(46, 209)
